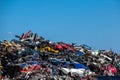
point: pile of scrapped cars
(31, 57)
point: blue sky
(92, 22)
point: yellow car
(49, 49)
(7, 43)
(10, 46)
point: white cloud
(10, 33)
